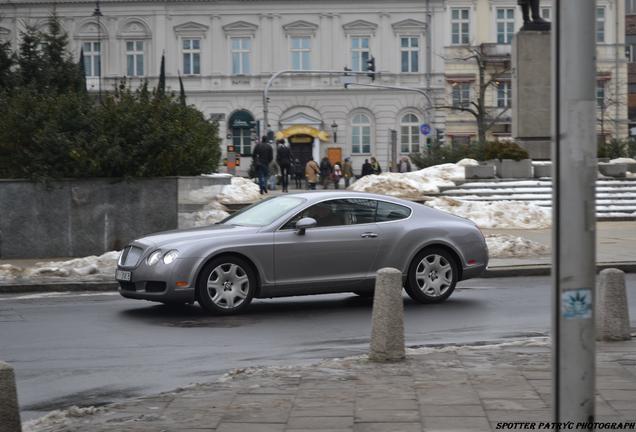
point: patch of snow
(541, 163)
(217, 175)
(201, 218)
(77, 268)
(59, 417)
(413, 185)
(468, 162)
(499, 214)
(240, 191)
(507, 246)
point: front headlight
(170, 256)
(154, 258)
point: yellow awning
(302, 130)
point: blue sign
(425, 129)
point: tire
(432, 276)
(226, 285)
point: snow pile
(205, 194)
(103, 265)
(415, 184)
(240, 191)
(59, 417)
(623, 160)
(506, 246)
(211, 214)
(498, 214)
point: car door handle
(368, 235)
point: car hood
(175, 238)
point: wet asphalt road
(91, 349)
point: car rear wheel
(226, 285)
(432, 276)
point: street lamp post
(334, 128)
(97, 13)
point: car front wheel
(226, 285)
(432, 276)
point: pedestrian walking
(336, 175)
(325, 172)
(347, 172)
(273, 174)
(262, 156)
(405, 165)
(299, 172)
(375, 166)
(366, 168)
(311, 172)
(284, 158)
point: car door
(342, 247)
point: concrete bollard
(612, 314)
(9, 410)
(387, 334)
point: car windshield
(264, 212)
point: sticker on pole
(576, 304)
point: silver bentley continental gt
(306, 243)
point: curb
(20, 288)
(502, 271)
(545, 269)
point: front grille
(155, 286)
(130, 256)
(127, 286)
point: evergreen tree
(7, 61)
(182, 95)
(60, 70)
(30, 59)
(81, 66)
(161, 88)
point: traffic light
(440, 135)
(371, 68)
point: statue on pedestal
(536, 23)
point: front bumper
(159, 282)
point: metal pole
(574, 219)
(98, 14)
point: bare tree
(492, 68)
(607, 104)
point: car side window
(337, 212)
(391, 212)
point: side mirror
(305, 223)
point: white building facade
(226, 51)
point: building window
(409, 54)
(359, 53)
(460, 26)
(135, 58)
(300, 53)
(360, 134)
(600, 24)
(505, 25)
(504, 94)
(545, 13)
(92, 58)
(191, 56)
(461, 95)
(600, 94)
(409, 134)
(630, 7)
(241, 48)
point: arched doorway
(301, 147)
(304, 140)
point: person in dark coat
(284, 157)
(325, 172)
(299, 173)
(262, 156)
(375, 166)
(366, 168)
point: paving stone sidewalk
(469, 388)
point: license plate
(123, 275)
